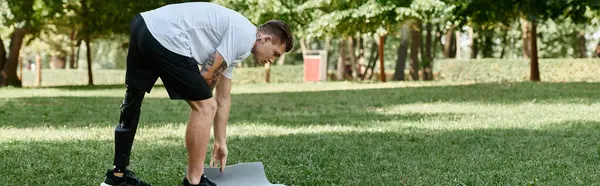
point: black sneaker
(128, 179)
(203, 181)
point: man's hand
(219, 152)
(219, 155)
(208, 77)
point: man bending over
(192, 47)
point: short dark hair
(281, 30)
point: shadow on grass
(93, 87)
(343, 107)
(480, 93)
(87, 87)
(563, 154)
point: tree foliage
(317, 18)
(486, 12)
(563, 25)
(344, 17)
(26, 17)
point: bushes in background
(480, 70)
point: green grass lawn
(321, 134)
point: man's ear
(266, 37)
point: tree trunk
(453, 45)
(457, 44)
(38, 71)
(21, 69)
(352, 52)
(526, 39)
(361, 56)
(449, 42)
(598, 50)
(327, 46)
(327, 49)
(267, 72)
(281, 60)
(422, 47)
(438, 37)
(402, 53)
(10, 67)
(303, 47)
(341, 65)
(504, 43)
(582, 49)
(415, 44)
(87, 40)
(474, 43)
(488, 43)
(372, 61)
(428, 72)
(2, 62)
(2, 58)
(535, 72)
(88, 52)
(78, 45)
(381, 59)
(372, 65)
(72, 44)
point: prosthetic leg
(125, 130)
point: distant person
(192, 47)
(598, 50)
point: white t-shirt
(199, 29)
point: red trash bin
(315, 66)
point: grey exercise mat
(250, 174)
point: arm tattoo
(217, 73)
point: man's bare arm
(212, 71)
(219, 152)
(223, 106)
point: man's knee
(133, 96)
(208, 105)
(130, 108)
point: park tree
(23, 18)
(341, 20)
(260, 11)
(88, 20)
(344, 20)
(355, 19)
(581, 14)
(100, 19)
(595, 13)
(432, 12)
(422, 12)
(81, 20)
(484, 16)
(537, 10)
(532, 11)
(318, 19)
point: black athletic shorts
(147, 60)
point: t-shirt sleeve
(227, 47)
(235, 44)
(228, 73)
